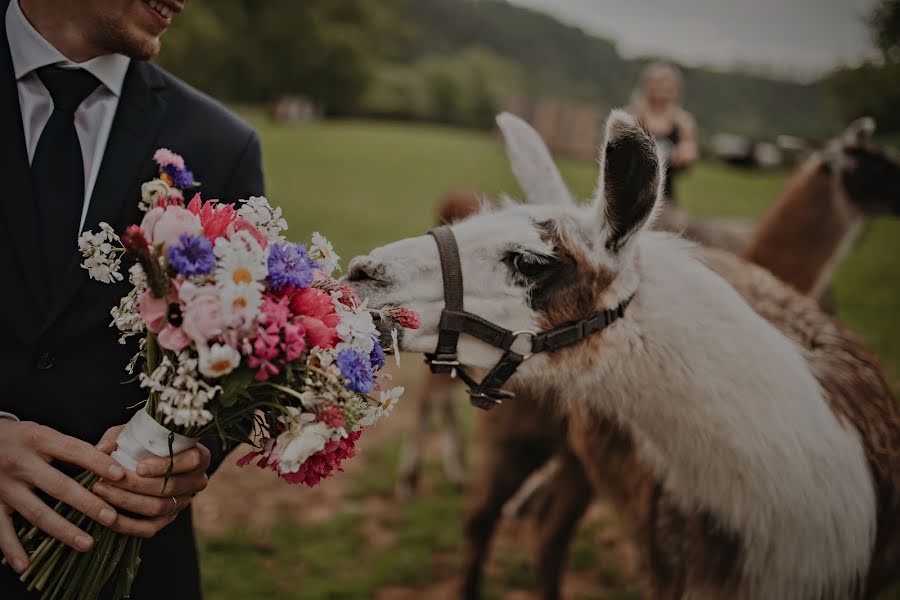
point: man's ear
(531, 163)
(631, 177)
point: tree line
(458, 61)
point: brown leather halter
(455, 320)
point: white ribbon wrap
(143, 437)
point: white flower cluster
(303, 436)
(323, 252)
(102, 254)
(181, 394)
(356, 328)
(369, 414)
(127, 315)
(268, 220)
(152, 191)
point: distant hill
(561, 60)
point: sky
(799, 38)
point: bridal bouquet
(242, 334)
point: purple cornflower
(192, 256)
(376, 357)
(290, 265)
(182, 178)
(356, 369)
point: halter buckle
(527, 333)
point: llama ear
(531, 163)
(860, 131)
(631, 178)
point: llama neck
(725, 410)
(806, 232)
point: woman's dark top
(667, 144)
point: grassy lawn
(364, 184)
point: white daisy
(240, 303)
(323, 252)
(388, 400)
(241, 260)
(218, 360)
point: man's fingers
(73, 451)
(149, 506)
(23, 501)
(143, 528)
(193, 459)
(178, 485)
(64, 488)
(10, 546)
(107, 443)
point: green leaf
(234, 385)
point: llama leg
(453, 442)
(566, 497)
(507, 465)
(414, 445)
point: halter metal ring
(528, 333)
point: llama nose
(365, 268)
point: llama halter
(455, 320)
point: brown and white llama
(523, 452)
(756, 465)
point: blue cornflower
(182, 178)
(192, 256)
(376, 357)
(290, 265)
(356, 369)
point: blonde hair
(638, 104)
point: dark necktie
(57, 170)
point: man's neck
(59, 25)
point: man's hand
(26, 449)
(142, 492)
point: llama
(836, 175)
(755, 463)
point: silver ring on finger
(174, 507)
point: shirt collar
(31, 51)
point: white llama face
(527, 267)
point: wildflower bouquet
(241, 334)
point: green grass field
(364, 184)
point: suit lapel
(140, 114)
(18, 203)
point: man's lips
(165, 10)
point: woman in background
(656, 102)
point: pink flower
(319, 334)
(154, 312)
(202, 315)
(173, 338)
(404, 317)
(318, 316)
(165, 157)
(166, 225)
(241, 224)
(214, 217)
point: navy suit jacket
(60, 362)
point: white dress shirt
(94, 117)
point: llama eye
(529, 265)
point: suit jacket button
(46, 361)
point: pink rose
(167, 227)
(202, 315)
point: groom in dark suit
(82, 113)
